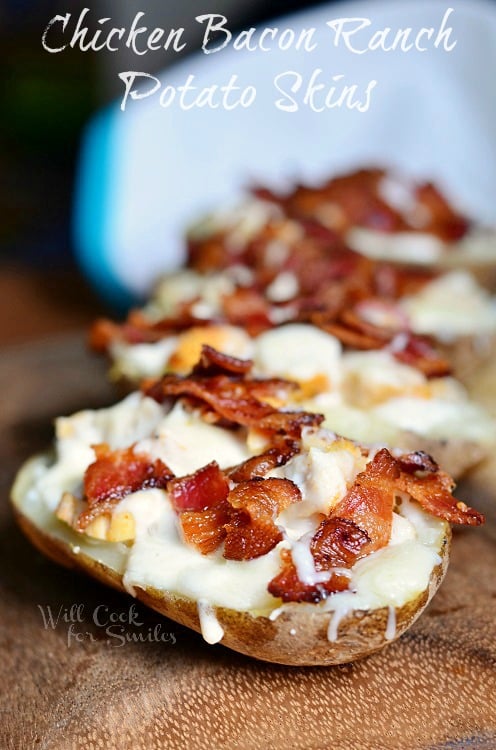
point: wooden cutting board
(77, 685)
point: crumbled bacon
(419, 352)
(235, 399)
(248, 308)
(205, 488)
(444, 221)
(115, 474)
(252, 531)
(355, 199)
(433, 493)
(212, 362)
(418, 461)
(337, 543)
(245, 522)
(258, 466)
(370, 501)
(205, 529)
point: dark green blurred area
(44, 101)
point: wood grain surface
(77, 685)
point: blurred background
(45, 100)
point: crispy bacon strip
(252, 531)
(337, 543)
(234, 398)
(115, 474)
(212, 362)
(370, 501)
(245, 521)
(444, 220)
(433, 492)
(205, 529)
(137, 329)
(228, 399)
(248, 308)
(419, 352)
(204, 489)
(258, 466)
(418, 461)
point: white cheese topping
(211, 629)
(406, 247)
(450, 306)
(419, 247)
(159, 557)
(184, 286)
(241, 222)
(185, 442)
(299, 352)
(139, 361)
(437, 418)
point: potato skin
(298, 637)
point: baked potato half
(247, 522)
(298, 636)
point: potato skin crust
(297, 637)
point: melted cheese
(119, 426)
(376, 376)
(159, 557)
(240, 223)
(437, 418)
(418, 247)
(185, 286)
(138, 361)
(450, 306)
(184, 442)
(300, 352)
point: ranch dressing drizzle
(336, 618)
(391, 624)
(211, 628)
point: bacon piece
(246, 540)
(394, 282)
(337, 543)
(245, 521)
(417, 351)
(209, 254)
(234, 399)
(249, 308)
(370, 501)
(204, 489)
(349, 337)
(104, 332)
(433, 493)
(205, 529)
(258, 466)
(444, 220)
(417, 461)
(262, 498)
(116, 474)
(213, 362)
(356, 198)
(227, 399)
(252, 531)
